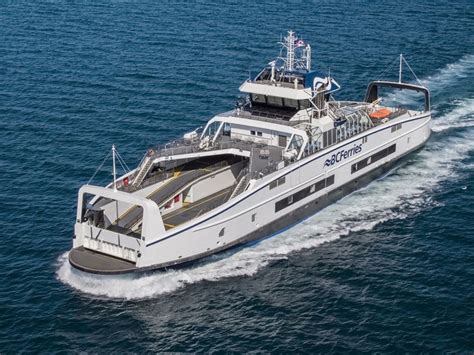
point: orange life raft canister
(379, 114)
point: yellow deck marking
(178, 172)
(192, 206)
(148, 196)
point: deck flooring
(194, 210)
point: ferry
(285, 151)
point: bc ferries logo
(343, 154)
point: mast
(308, 57)
(400, 69)
(113, 167)
(290, 51)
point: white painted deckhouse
(286, 151)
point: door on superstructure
(282, 141)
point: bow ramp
(102, 246)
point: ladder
(241, 185)
(144, 169)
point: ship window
(277, 182)
(252, 133)
(274, 101)
(282, 141)
(364, 139)
(291, 103)
(329, 138)
(259, 134)
(330, 180)
(320, 185)
(303, 104)
(300, 195)
(221, 233)
(373, 158)
(296, 142)
(258, 98)
(212, 129)
(396, 127)
(254, 216)
(226, 129)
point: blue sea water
(387, 269)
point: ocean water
(389, 268)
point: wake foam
(462, 116)
(450, 74)
(444, 83)
(400, 194)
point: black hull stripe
(288, 172)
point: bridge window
(291, 103)
(304, 104)
(226, 129)
(275, 101)
(296, 142)
(212, 129)
(259, 98)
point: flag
(299, 43)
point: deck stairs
(145, 167)
(241, 184)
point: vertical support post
(113, 167)
(308, 57)
(400, 69)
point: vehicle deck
(194, 210)
(163, 193)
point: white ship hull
(310, 184)
(285, 152)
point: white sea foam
(444, 81)
(461, 116)
(396, 196)
(463, 68)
